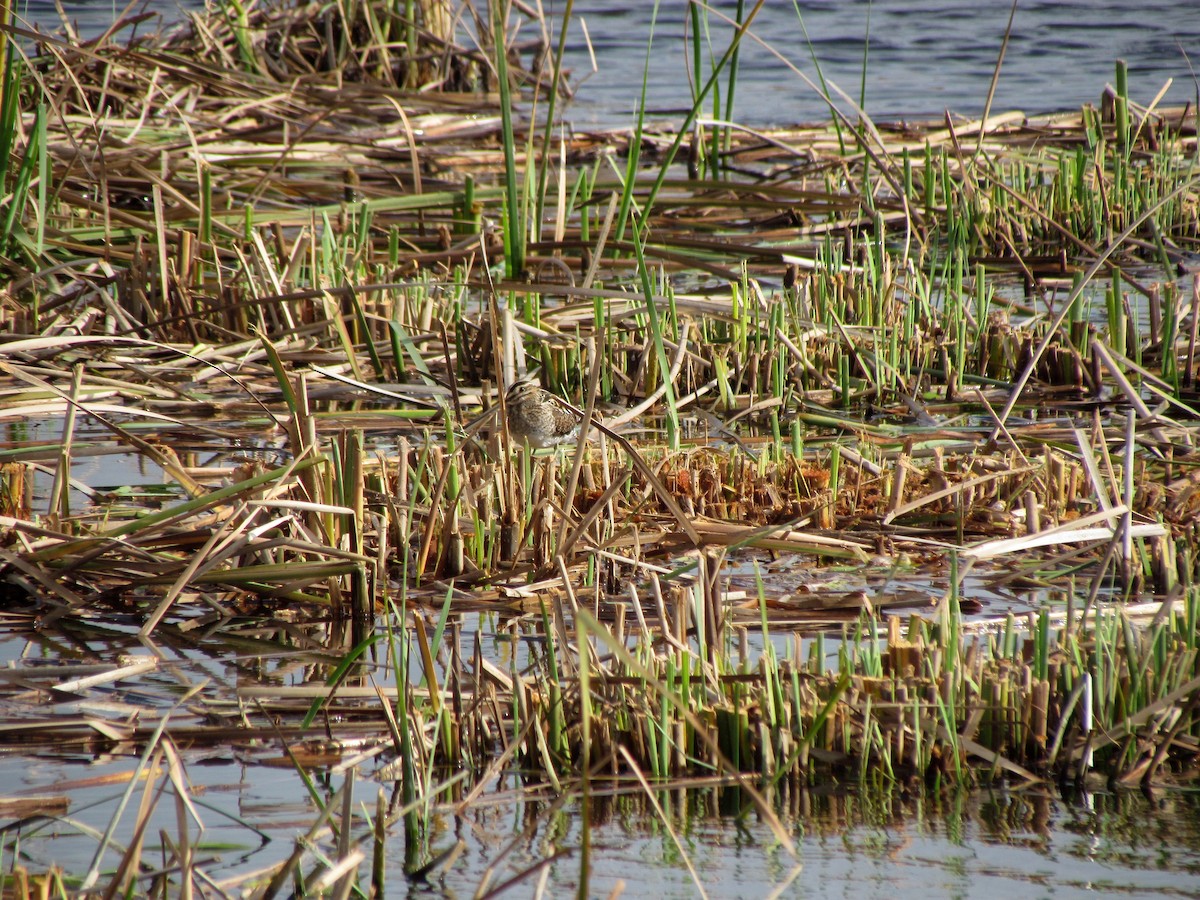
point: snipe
(536, 416)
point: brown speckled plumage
(535, 416)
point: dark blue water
(921, 56)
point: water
(888, 845)
(921, 58)
(251, 804)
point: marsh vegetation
(859, 382)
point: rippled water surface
(920, 58)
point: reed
(902, 360)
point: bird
(538, 416)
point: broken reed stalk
(348, 257)
(323, 266)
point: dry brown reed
(262, 269)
